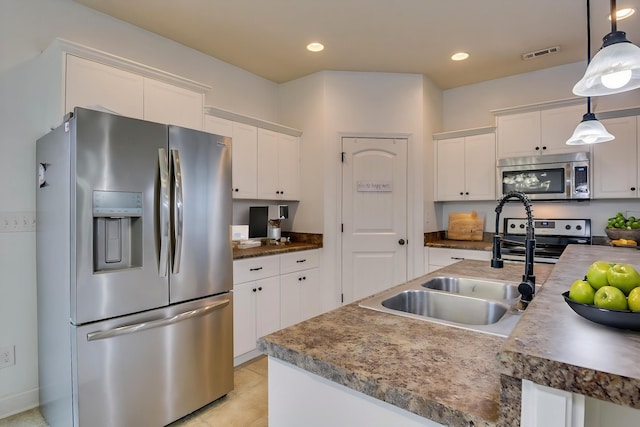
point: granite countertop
(553, 346)
(479, 245)
(266, 250)
(445, 374)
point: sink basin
(487, 306)
(478, 288)
(449, 307)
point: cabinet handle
(255, 269)
(236, 190)
(537, 148)
(461, 193)
(633, 188)
(459, 258)
(466, 193)
(544, 147)
(300, 279)
(301, 260)
(254, 290)
(260, 288)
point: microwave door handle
(178, 208)
(163, 212)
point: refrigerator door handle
(129, 329)
(163, 210)
(178, 210)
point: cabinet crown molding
(464, 132)
(259, 123)
(540, 106)
(86, 52)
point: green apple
(610, 297)
(634, 299)
(623, 277)
(581, 291)
(597, 274)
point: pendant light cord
(614, 17)
(589, 45)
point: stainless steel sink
(449, 307)
(487, 306)
(490, 289)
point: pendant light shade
(590, 131)
(615, 68)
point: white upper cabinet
(166, 103)
(278, 166)
(78, 76)
(615, 163)
(91, 84)
(466, 168)
(539, 132)
(244, 154)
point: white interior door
(374, 215)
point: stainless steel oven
(552, 237)
(547, 177)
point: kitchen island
(457, 377)
(440, 373)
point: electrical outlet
(7, 356)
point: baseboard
(17, 403)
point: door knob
(402, 242)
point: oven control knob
(521, 225)
(578, 227)
(567, 227)
(512, 226)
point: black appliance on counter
(552, 237)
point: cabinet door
(166, 103)
(218, 126)
(90, 84)
(244, 318)
(300, 296)
(268, 165)
(480, 167)
(519, 134)
(615, 163)
(450, 169)
(289, 167)
(557, 125)
(244, 161)
(268, 306)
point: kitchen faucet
(527, 287)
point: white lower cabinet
(270, 293)
(300, 292)
(549, 407)
(436, 258)
(256, 310)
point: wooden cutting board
(465, 226)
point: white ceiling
(268, 37)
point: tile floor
(245, 406)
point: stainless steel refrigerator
(134, 269)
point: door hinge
(342, 156)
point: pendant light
(615, 68)
(589, 130)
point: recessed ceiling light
(315, 47)
(460, 56)
(623, 13)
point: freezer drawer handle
(255, 269)
(130, 329)
(163, 209)
(178, 210)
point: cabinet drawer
(245, 270)
(296, 261)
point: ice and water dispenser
(117, 230)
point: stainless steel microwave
(547, 177)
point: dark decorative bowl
(620, 233)
(621, 319)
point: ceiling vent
(541, 52)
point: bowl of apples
(609, 295)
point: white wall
(26, 28)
